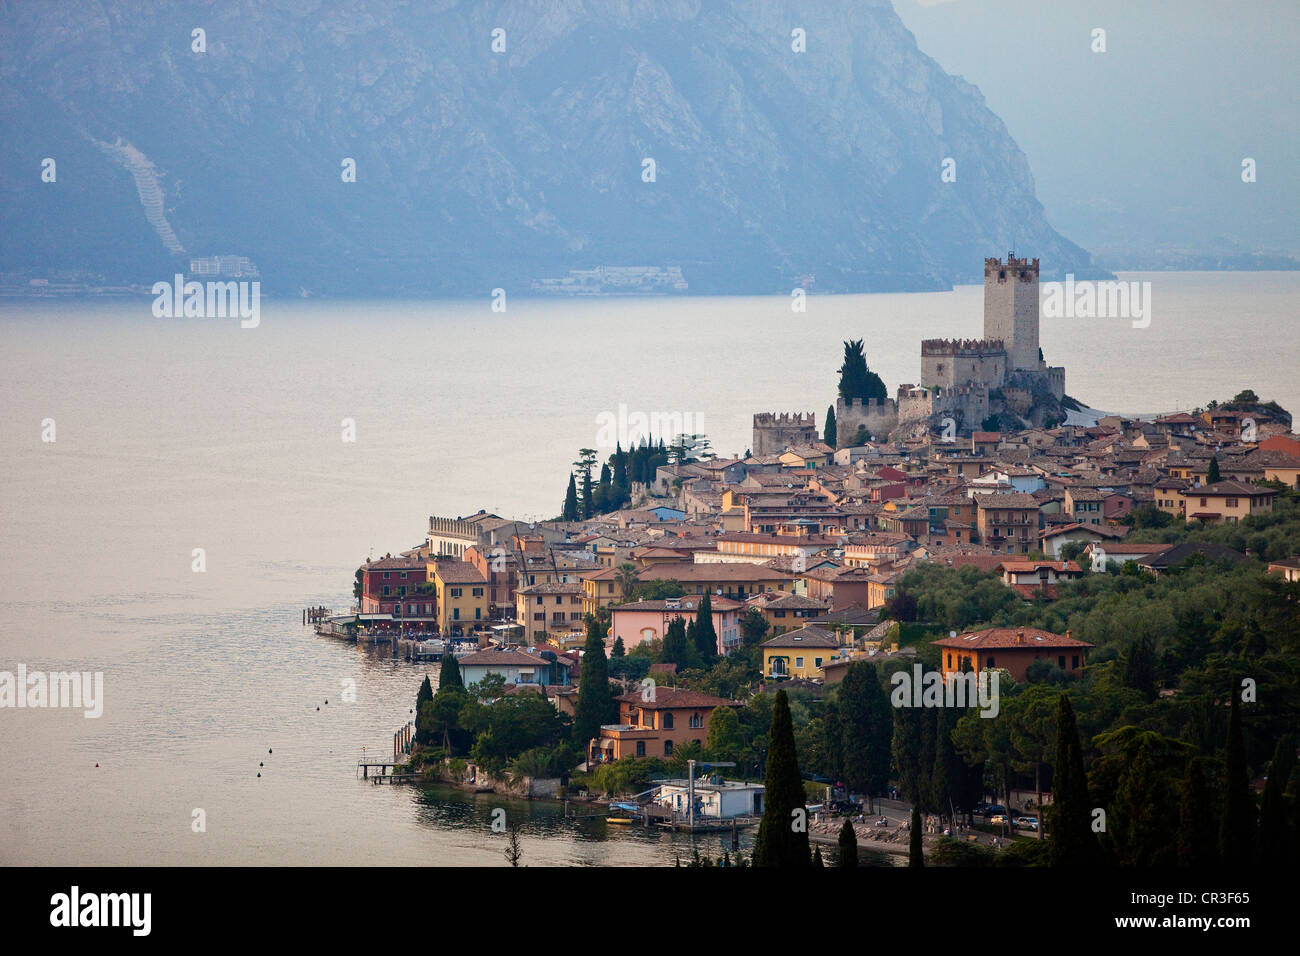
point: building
(1007, 522)
(653, 721)
(799, 654)
(393, 592)
(551, 611)
(516, 666)
(461, 591)
(1289, 568)
(715, 798)
(1011, 649)
(735, 581)
(784, 611)
(1031, 579)
(774, 433)
(1226, 501)
(643, 621)
(1100, 554)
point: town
(709, 642)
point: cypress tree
(783, 834)
(848, 844)
(817, 858)
(1073, 842)
(570, 512)
(424, 694)
(618, 650)
(596, 704)
(1140, 667)
(706, 636)
(674, 647)
(915, 854)
(1237, 826)
(449, 673)
(856, 380)
(867, 727)
(829, 435)
(1212, 476)
(588, 506)
(1197, 840)
(1274, 836)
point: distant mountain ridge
(477, 170)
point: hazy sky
(1141, 145)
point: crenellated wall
(775, 431)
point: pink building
(643, 621)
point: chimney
(1067, 634)
(1020, 638)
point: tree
(867, 727)
(514, 850)
(828, 435)
(1274, 836)
(817, 860)
(425, 693)
(848, 844)
(725, 739)
(706, 637)
(1212, 476)
(1197, 840)
(625, 576)
(856, 380)
(915, 854)
(588, 504)
(1140, 666)
(783, 834)
(753, 626)
(449, 673)
(617, 650)
(356, 583)
(570, 510)
(1237, 826)
(596, 705)
(675, 648)
(1073, 842)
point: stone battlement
(785, 418)
(1024, 269)
(962, 347)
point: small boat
(622, 821)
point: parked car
(994, 809)
(1027, 823)
(998, 818)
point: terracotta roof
(810, 636)
(670, 698)
(1010, 637)
(458, 572)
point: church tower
(1011, 309)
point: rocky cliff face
(477, 169)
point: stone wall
(774, 432)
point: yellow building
(799, 653)
(1226, 501)
(551, 612)
(462, 595)
(600, 589)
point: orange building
(1011, 649)
(653, 727)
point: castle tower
(1011, 309)
(774, 432)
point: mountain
(478, 169)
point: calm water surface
(182, 434)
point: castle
(774, 433)
(967, 380)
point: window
(988, 662)
(640, 748)
(696, 722)
(1074, 661)
(798, 662)
(477, 592)
(385, 590)
(455, 614)
(667, 722)
(403, 575)
(478, 614)
(1202, 502)
(817, 662)
(668, 748)
(1232, 502)
(950, 660)
(1061, 661)
(455, 592)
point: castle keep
(774, 433)
(969, 379)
